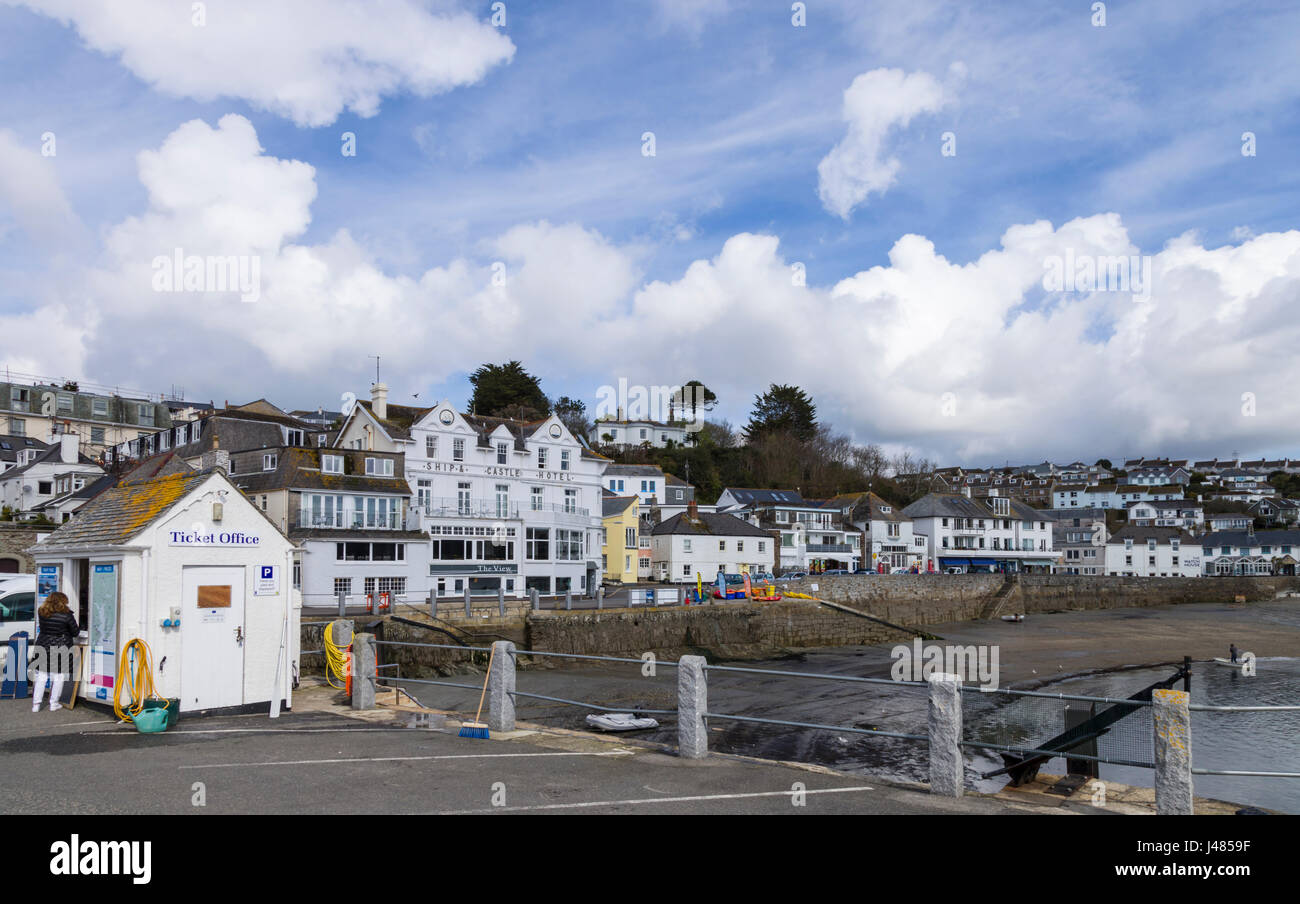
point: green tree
(574, 415)
(693, 398)
(507, 390)
(783, 409)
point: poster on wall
(103, 630)
(47, 582)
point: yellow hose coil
(141, 679)
(336, 659)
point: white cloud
(307, 60)
(690, 15)
(876, 102)
(30, 192)
(1033, 375)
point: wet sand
(1044, 648)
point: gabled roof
(615, 505)
(709, 524)
(53, 454)
(118, 514)
(951, 505)
(400, 418)
(620, 470)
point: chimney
(692, 511)
(965, 491)
(68, 448)
(379, 400)
(215, 458)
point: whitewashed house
(700, 544)
(990, 534)
(1148, 552)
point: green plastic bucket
(173, 708)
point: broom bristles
(473, 730)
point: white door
(212, 637)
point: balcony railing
(829, 547)
(351, 521)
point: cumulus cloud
(307, 60)
(876, 103)
(968, 361)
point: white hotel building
(505, 503)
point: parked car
(864, 571)
(954, 569)
(17, 610)
(900, 571)
(793, 576)
(837, 571)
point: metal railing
(349, 520)
(490, 507)
(943, 736)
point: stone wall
(928, 599)
(15, 540)
(730, 630)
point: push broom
(477, 729)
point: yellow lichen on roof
(143, 502)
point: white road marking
(655, 800)
(389, 759)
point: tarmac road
(320, 762)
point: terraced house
(506, 504)
(99, 420)
(812, 533)
(992, 534)
(348, 511)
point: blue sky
(1054, 118)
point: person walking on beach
(55, 639)
(1232, 649)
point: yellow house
(619, 552)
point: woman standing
(55, 639)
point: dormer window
(379, 467)
(502, 452)
(269, 461)
(331, 464)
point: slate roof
(619, 470)
(709, 524)
(1162, 535)
(53, 454)
(951, 505)
(299, 467)
(11, 445)
(118, 514)
(748, 496)
(615, 505)
(1259, 538)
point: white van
(17, 610)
